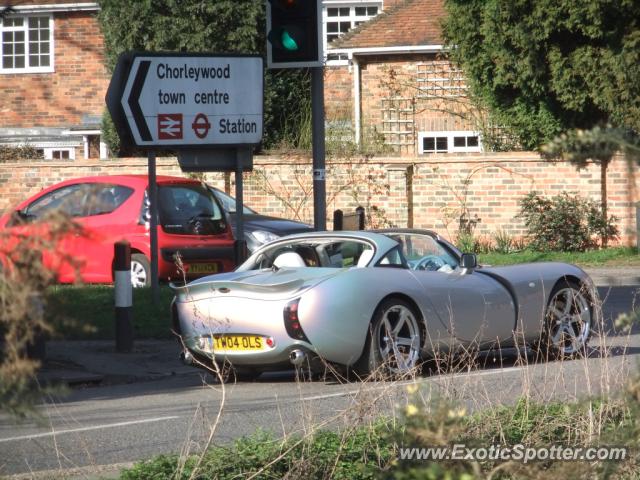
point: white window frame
(352, 18)
(48, 153)
(450, 135)
(25, 28)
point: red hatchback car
(112, 208)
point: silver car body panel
(532, 284)
(491, 306)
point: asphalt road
(95, 428)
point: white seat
(289, 259)
(365, 258)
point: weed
(503, 241)
(24, 282)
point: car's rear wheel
(394, 340)
(567, 323)
(140, 271)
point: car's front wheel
(567, 323)
(140, 271)
(393, 341)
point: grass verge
(376, 450)
(88, 312)
(617, 256)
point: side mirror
(469, 261)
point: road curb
(614, 277)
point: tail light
(292, 321)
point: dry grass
(24, 280)
(439, 409)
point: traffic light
(294, 33)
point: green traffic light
(288, 42)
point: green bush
(357, 454)
(22, 152)
(565, 223)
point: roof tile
(408, 23)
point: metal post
(319, 172)
(638, 226)
(153, 225)
(240, 241)
(123, 296)
(338, 217)
(361, 217)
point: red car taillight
(292, 322)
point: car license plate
(198, 268)
(238, 342)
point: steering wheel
(201, 224)
(429, 262)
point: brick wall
(76, 88)
(338, 98)
(490, 185)
(401, 95)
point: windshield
(313, 252)
(229, 203)
(189, 209)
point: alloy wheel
(398, 338)
(568, 321)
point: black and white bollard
(123, 297)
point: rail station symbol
(170, 126)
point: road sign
(187, 100)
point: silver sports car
(377, 300)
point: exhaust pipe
(186, 357)
(297, 357)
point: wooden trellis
(398, 126)
(440, 79)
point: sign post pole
(153, 226)
(239, 212)
(319, 172)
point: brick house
(389, 81)
(52, 78)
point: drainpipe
(356, 100)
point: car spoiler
(223, 287)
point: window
(423, 252)
(434, 144)
(26, 44)
(105, 198)
(69, 199)
(340, 18)
(392, 259)
(314, 252)
(59, 153)
(443, 142)
(189, 210)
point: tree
(221, 26)
(546, 67)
